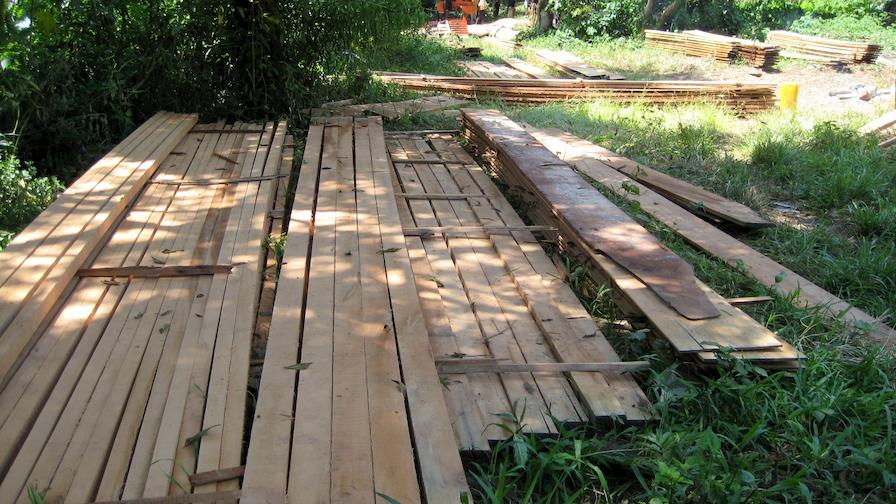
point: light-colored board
(441, 470)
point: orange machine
(468, 6)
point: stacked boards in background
(516, 157)
(742, 97)
(719, 47)
(829, 49)
(135, 375)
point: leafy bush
(866, 29)
(851, 8)
(589, 19)
(76, 76)
(23, 194)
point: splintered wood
(506, 146)
(136, 381)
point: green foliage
(834, 8)
(589, 19)
(865, 29)
(23, 194)
(77, 76)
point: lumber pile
(367, 396)
(492, 303)
(572, 66)
(136, 380)
(742, 97)
(519, 161)
(829, 49)
(718, 47)
(590, 160)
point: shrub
(23, 194)
(590, 19)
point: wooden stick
(217, 181)
(156, 271)
(437, 196)
(217, 475)
(182, 499)
(463, 366)
(428, 231)
(751, 300)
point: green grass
(823, 433)
(863, 29)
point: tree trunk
(543, 17)
(668, 13)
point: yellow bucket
(789, 93)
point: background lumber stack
(719, 47)
(742, 97)
(139, 380)
(503, 145)
(831, 49)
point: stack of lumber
(391, 110)
(757, 54)
(591, 160)
(719, 47)
(739, 96)
(349, 394)
(694, 199)
(828, 49)
(561, 197)
(126, 357)
(719, 50)
(572, 66)
(493, 303)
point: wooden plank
(881, 123)
(22, 320)
(156, 271)
(694, 199)
(441, 470)
(269, 446)
(217, 181)
(310, 469)
(181, 499)
(708, 238)
(394, 470)
(576, 202)
(527, 68)
(463, 366)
